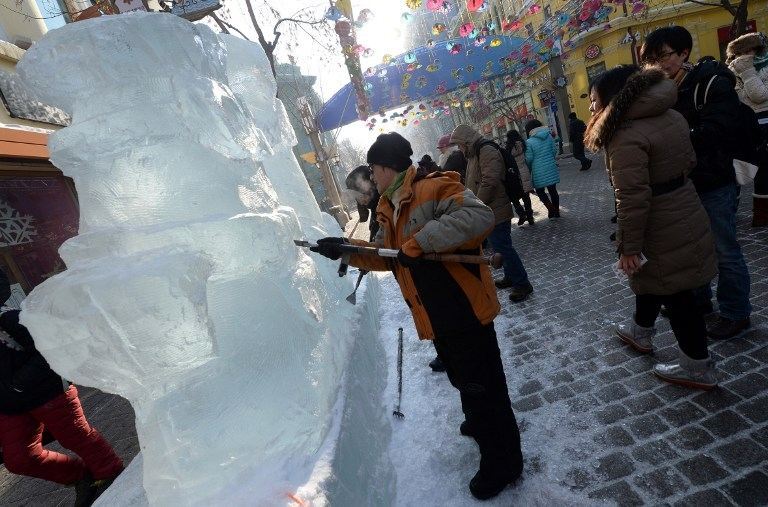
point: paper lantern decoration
(441, 89)
(535, 8)
(434, 66)
(386, 59)
(430, 43)
(475, 5)
(365, 16)
(456, 49)
(413, 4)
(407, 17)
(480, 41)
(409, 57)
(368, 52)
(470, 68)
(496, 43)
(438, 28)
(413, 66)
(638, 7)
(333, 14)
(466, 29)
(438, 5)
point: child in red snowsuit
(33, 398)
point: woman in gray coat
(649, 155)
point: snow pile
(184, 292)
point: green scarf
(394, 185)
(761, 61)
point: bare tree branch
(228, 26)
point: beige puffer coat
(752, 85)
(647, 143)
(485, 172)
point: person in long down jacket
(649, 156)
(515, 145)
(748, 59)
(540, 153)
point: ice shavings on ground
(433, 461)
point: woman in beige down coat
(648, 155)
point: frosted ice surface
(184, 292)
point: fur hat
(391, 150)
(747, 42)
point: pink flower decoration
(475, 5)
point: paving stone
(578, 478)
(527, 404)
(751, 490)
(709, 498)
(761, 436)
(691, 438)
(640, 364)
(615, 436)
(530, 387)
(742, 453)
(661, 483)
(716, 399)
(617, 357)
(613, 392)
(558, 393)
(614, 466)
(643, 403)
(611, 414)
(738, 365)
(561, 377)
(748, 386)
(654, 452)
(755, 410)
(621, 493)
(671, 392)
(647, 426)
(582, 385)
(725, 423)
(613, 375)
(702, 469)
(682, 413)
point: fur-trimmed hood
(747, 42)
(646, 94)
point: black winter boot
(437, 365)
(483, 486)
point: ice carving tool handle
(492, 260)
(397, 413)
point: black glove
(329, 247)
(408, 261)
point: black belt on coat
(666, 187)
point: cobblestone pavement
(593, 417)
(641, 441)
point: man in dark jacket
(451, 158)
(576, 129)
(708, 101)
(451, 303)
(366, 196)
(33, 398)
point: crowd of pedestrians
(670, 131)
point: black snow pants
(473, 363)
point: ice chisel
(494, 260)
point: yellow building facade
(618, 42)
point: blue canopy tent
(427, 72)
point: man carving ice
(453, 304)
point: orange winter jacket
(436, 213)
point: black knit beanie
(391, 150)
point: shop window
(595, 70)
(724, 36)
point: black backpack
(512, 183)
(748, 140)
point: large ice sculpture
(184, 292)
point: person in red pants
(33, 398)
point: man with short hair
(486, 171)
(452, 303)
(708, 101)
(576, 129)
